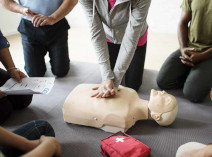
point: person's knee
(5, 112)
(161, 82)
(45, 128)
(35, 73)
(133, 85)
(136, 88)
(61, 72)
(24, 102)
(194, 95)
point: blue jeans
(38, 41)
(32, 130)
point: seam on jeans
(29, 131)
(37, 127)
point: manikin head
(163, 107)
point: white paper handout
(32, 85)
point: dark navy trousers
(38, 41)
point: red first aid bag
(123, 145)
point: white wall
(77, 18)
(8, 22)
(163, 17)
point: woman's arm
(99, 42)
(183, 30)
(207, 54)
(136, 26)
(98, 39)
(196, 57)
(183, 38)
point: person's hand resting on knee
(190, 57)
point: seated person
(33, 139)
(10, 102)
(120, 112)
(190, 67)
(194, 149)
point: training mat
(193, 121)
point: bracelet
(8, 70)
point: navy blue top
(3, 41)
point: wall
(8, 22)
(163, 17)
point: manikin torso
(118, 113)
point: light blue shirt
(44, 7)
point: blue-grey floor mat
(193, 122)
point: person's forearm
(130, 39)
(183, 34)
(208, 53)
(6, 58)
(45, 149)
(63, 10)
(12, 6)
(98, 39)
(10, 139)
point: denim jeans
(37, 41)
(32, 130)
(196, 82)
(11, 102)
(134, 74)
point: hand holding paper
(33, 85)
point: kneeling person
(190, 67)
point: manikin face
(163, 107)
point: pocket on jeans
(26, 29)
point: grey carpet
(193, 122)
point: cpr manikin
(120, 112)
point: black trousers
(10, 102)
(196, 82)
(134, 74)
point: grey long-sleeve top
(124, 24)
